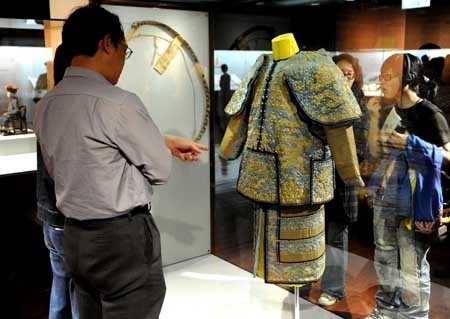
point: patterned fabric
(233, 140)
(319, 91)
(295, 242)
(237, 102)
(285, 158)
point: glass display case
(178, 52)
(374, 35)
(26, 56)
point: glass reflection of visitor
(224, 96)
(343, 209)
(400, 252)
(222, 119)
(433, 69)
(41, 87)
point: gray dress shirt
(100, 146)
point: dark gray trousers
(116, 266)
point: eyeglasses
(128, 51)
(349, 75)
(386, 76)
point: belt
(139, 210)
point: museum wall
(176, 102)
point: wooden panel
(369, 29)
(428, 25)
(52, 33)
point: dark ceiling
(255, 4)
(272, 7)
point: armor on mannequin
(290, 114)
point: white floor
(208, 287)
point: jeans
(62, 297)
(401, 266)
(333, 280)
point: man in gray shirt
(104, 153)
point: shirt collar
(76, 71)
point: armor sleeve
(318, 88)
(234, 138)
(342, 145)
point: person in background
(225, 89)
(224, 97)
(343, 209)
(62, 295)
(400, 251)
(105, 155)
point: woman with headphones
(400, 247)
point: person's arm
(138, 138)
(374, 130)
(398, 140)
(141, 142)
(446, 146)
(184, 148)
(439, 123)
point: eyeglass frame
(387, 76)
(128, 51)
(349, 75)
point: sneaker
(326, 300)
(376, 314)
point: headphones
(409, 75)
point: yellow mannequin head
(284, 46)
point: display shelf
(18, 163)
(17, 144)
(223, 290)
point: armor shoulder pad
(241, 95)
(319, 90)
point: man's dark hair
(86, 26)
(61, 61)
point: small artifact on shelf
(14, 120)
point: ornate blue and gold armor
(281, 118)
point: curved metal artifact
(198, 67)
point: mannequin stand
(296, 303)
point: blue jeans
(333, 280)
(62, 298)
(401, 266)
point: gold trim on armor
(295, 258)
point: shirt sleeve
(140, 141)
(439, 123)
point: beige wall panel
(60, 9)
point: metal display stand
(296, 303)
